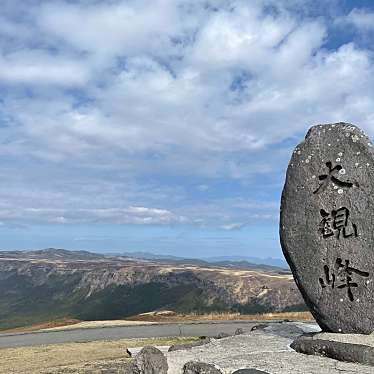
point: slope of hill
(36, 286)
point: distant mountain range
(52, 254)
(37, 286)
(231, 261)
(277, 262)
(251, 261)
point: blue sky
(167, 126)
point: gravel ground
(266, 350)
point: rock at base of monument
(195, 367)
(180, 347)
(250, 371)
(150, 360)
(355, 348)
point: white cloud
(203, 187)
(39, 67)
(232, 226)
(360, 18)
(112, 28)
(145, 216)
(124, 91)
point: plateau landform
(50, 284)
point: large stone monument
(327, 226)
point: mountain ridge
(233, 261)
(39, 285)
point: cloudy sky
(167, 125)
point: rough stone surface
(239, 331)
(287, 330)
(135, 350)
(129, 368)
(327, 226)
(151, 360)
(222, 335)
(195, 367)
(261, 326)
(249, 371)
(178, 347)
(342, 347)
(263, 350)
(344, 338)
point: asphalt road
(123, 332)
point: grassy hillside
(35, 290)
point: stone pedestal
(355, 348)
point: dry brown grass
(96, 324)
(70, 324)
(174, 317)
(90, 357)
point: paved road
(122, 332)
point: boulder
(195, 367)
(327, 226)
(151, 360)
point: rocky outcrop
(149, 360)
